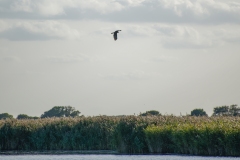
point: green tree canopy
(24, 116)
(198, 112)
(151, 112)
(232, 110)
(61, 111)
(5, 116)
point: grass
(215, 136)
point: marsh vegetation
(219, 135)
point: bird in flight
(115, 34)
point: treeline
(57, 111)
(215, 136)
(69, 111)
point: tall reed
(90, 133)
(217, 136)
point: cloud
(3, 25)
(129, 30)
(10, 59)
(67, 58)
(163, 58)
(167, 34)
(170, 11)
(185, 37)
(18, 33)
(182, 11)
(36, 30)
(58, 7)
(174, 36)
(228, 33)
(133, 75)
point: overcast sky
(171, 55)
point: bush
(198, 112)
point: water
(110, 157)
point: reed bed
(90, 133)
(217, 136)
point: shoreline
(92, 152)
(58, 152)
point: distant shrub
(198, 112)
(24, 116)
(5, 116)
(150, 113)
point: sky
(171, 56)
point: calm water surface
(109, 157)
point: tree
(24, 116)
(198, 112)
(150, 113)
(232, 110)
(61, 111)
(220, 111)
(5, 116)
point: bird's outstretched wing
(116, 31)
